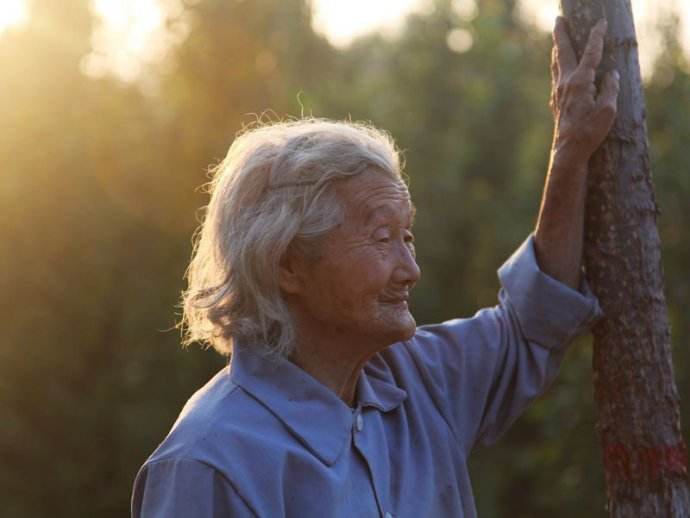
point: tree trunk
(645, 456)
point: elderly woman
(335, 404)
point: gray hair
(272, 192)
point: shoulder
(438, 342)
(443, 358)
(216, 416)
(410, 364)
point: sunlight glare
(541, 13)
(459, 40)
(12, 13)
(126, 38)
(341, 22)
(133, 32)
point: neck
(335, 367)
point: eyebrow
(386, 209)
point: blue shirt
(264, 438)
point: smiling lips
(396, 299)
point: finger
(565, 55)
(591, 92)
(595, 46)
(581, 79)
(607, 102)
(608, 96)
(554, 79)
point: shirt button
(359, 425)
(388, 515)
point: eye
(408, 237)
(382, 235)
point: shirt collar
(376, 387)
(309, 410)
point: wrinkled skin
(352, 301)
(582, 117)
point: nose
(407, 270)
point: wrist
(568, 155)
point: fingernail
(616, 75)
(604, 22)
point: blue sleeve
(483, 371)
(177, 488)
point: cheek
(351, 298)
(356, 293)
(334, 293)
(353, 284)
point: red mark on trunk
(645, 463)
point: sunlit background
(112, 111)
(133, 31)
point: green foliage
(99, 200)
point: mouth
(395, 300)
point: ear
(289, 272)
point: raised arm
(583, 117)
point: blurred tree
(99, 224)
(239, 60)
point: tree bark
(644, 454)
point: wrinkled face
(359, 286)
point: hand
(582, 118)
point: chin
(390, 328)
(404, 330)
(409, 333)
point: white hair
(273, 191)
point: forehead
(373, 195)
